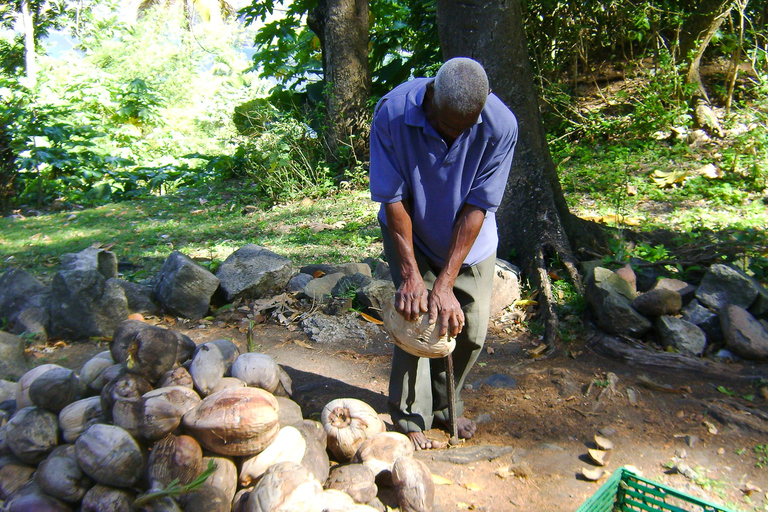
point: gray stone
(319, 289)
(506, 286)
(328, 329)
(19, 291)
(470, 454)
(348, 286)
(587, 268)
(183, 287)
(686, 291)
(658, 302)
(373, 296)
(483, 418)
(35, 322)
(253, 272)
(140, 297)
(92, 258)
(497, 380)
(646, 276)
(84, 304)
(744, 335)
(13, 364)
(684, 336)
(298, 282)
(759, 308)
(723, 285)
(705, 318)
(345, 268)
(613, 311)
(7, 388)
(382, 271)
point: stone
(707, 320)
(326, 329)
(34, 322)
(723, 285)
(684, 336)
(298, 282)
(759, 308)
(345, 268)
(348, 285)
(744, 335)
(8, 389)
(686, 291)
(84, 305)
(184, 287)
(646, 276)
(92, 258)
(20, 291)
(613, 312)
(13, 363)
(506, 286)
(471, 454)
(373, 296)
(658, 302)
(140, 297)
(253, 272)
(497, 380)
(627, 274)
(382, 271)
(319, 289)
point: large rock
(613, 311)
(685, 290)
(374, 295)
(140, 297)
(348, 286)
(184, 287)
(84, 304)
(744, 334)
(13, 364)
(506, 286)
(345, 268)
(298, 282)
(707, 320)
(92, 258)
(320, 289)
(723, 285)
(658, 302)
(20, 292)
(253, 272)
(684, 336)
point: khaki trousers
(417, 385)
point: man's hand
(445, 309)
(412, 298)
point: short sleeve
(488, 186)
(386, 180)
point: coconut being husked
(348, 422)
(31, 433)
(210, 362)
(102, 497)
(257, 370)
(174, 458)
(285, 487)
(289, 445)
(145, 349)
(60, 476)
(234, 421)
(415, 488)
(162, 410)
(78, 416)
(109, 455)
(418, 337)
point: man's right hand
(412, 298)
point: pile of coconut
(159, 424)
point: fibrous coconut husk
(75, 418)
(418, 337)
(174, 458)
(55, 389)
(109, 455)
(257, 370)
(348, 422)
(380, 452)
(145, 349)
(60, 476)
(415, 488)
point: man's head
(458, 96)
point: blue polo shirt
(410, 162)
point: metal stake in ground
(451, 400)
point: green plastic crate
(625, 491)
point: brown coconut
(415, 488)
(75, 418)
(26, 380)
(13, 476)
(121, 401)
(357, 480)
(207, 498)
(257, 370)
(177, 377)
(348, 422)
(285, 487)
(101, 497)
(145, 349)
(92, 368)
(235, 421)
(55, 389)
(60, 476)
(174, 458)
(162, 410)
(224, 476)
(381, 451)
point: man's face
(450, 125)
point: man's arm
(443, 304)
(412, 297)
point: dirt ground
(532, 438)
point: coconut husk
(419, 337)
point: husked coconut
(101, 497)
(121, 401)
(92, 368)
(60, 476)
(207, 498)
(174, 458)
(210, 362)
(26, 380)
(162, 410)
(229, 382)
(415, 488)
(13, 476)
(381, 451)
(177, 377)
(348, 422)
(145, 349)
(31, 433)
(224, 476)
(290, 412)
(78, 416)
(109, 455)
(357, 480)
(55, 389)
(285, 487)
(235, 421)
(257, 370)
(289, 445)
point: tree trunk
(29, 44)
(342, 27)
(534, 221)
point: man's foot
(422, 442)
(465, 427)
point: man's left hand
(445, 309)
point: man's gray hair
(461, 86)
